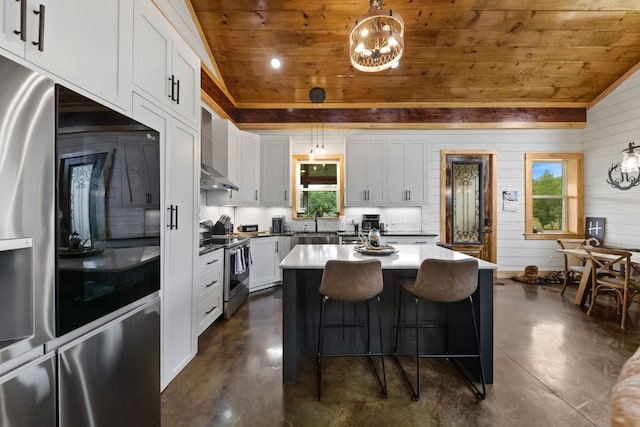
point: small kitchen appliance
(277, 224)
(370, 221)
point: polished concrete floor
(554, 366)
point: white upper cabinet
(275, 171)
(365, 173)
(87, 43)
(164, 66)
(249, 167)
(406, 173)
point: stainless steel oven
(237, 266)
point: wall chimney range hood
(214, 158)
(210, 179)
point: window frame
(573, 197)
(297, 159)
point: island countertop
(407, 257)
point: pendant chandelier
(317, 96)
(376, 41)
(630, 159)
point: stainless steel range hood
(210, 179)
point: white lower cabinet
(180, 162)
(208, 292)
(265, 260)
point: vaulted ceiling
(466, 62)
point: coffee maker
(277, 224)
(370, 221)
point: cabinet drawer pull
(210, 310)
(211, 284)
(178, 92)
(211, 262)
(23, 21)
(40, 42)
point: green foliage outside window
(322, 203)
(548, 202)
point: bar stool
(444, 281)
(352, 282)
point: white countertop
(407, 257)
(112, 259)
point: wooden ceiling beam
(410, 117)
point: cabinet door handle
(211, 284)
(211, 262)
(409, 195)
(170, 225)
(173, 84)
(148, 197)
(210, 310)
(178, 92)
(256, 195)
(176, 217)
(23, 21)
(40, 42)
(285, 195)
(277, 247)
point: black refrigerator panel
(27, 395)
(111, 377)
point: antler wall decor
(624, 181)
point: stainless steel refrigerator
(106, 372)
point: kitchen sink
(317, 238)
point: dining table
(585, 281)
(302, 272)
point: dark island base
(301, 308)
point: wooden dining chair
(612, 271)
(573, 265)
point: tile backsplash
(395, 218)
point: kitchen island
(302, 272)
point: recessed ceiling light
(275, 63)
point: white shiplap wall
(514, 253)
(611, 125)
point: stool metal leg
(384, 372)
(415, 393)
(479, 394)
(319, 352)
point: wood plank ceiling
(467, 63)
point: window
(553, 191)
(318, 187)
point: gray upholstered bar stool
(352, 281)
(444, 281)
